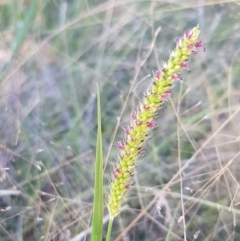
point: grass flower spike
(142, 120)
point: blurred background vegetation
(52, 54)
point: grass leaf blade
(97, 221)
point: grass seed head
(142, 120)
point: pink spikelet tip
(134, 116)
(127, 130)
(121, 145)
(177, 40)
(158, 74)
(188, 34)
(150, 124)
(116, 172)
(190, 46)
(199, 44)
(184, 65)
(176, 77)
(166, 95)
(127, 186)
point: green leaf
(97, 220)
(23, 30)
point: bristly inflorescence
(142, 120)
